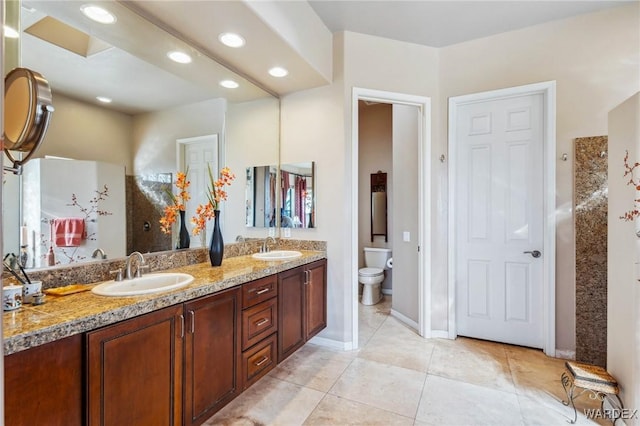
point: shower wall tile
(590, 191)
(149, 196)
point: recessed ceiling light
(98, 14)
(278, 72)
(179, 57)
(231, 39)
(104, 99)
(229, 84)
(10, 32)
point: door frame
(424, 196)
(548, 91)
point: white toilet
(372, 275)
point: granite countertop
(63, 316)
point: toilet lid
(370, 272)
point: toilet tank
(376, 257)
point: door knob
(534, 253)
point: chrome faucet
(100, 252)
(265, 244)
(141, 265)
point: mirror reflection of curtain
(300, 218)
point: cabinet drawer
(259, 360)
(258, 322)
(259, 291)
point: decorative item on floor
(216, 194)
(595, 380)
(172, 211)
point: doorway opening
(412, 113)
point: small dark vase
(216, 247)
(183, 237)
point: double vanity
(163, 356)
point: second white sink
(147, 284)
(278, 255)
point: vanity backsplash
(92, 272)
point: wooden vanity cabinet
(44, 385)
(302, 306)
(259, 328)
(135, 370)
(212, 354)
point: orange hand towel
(68, 232)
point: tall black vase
(216, 247)
(183, 237)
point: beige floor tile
(370, 318)
(396, 344)
(334, 410)
(451, 402)
(385, 386)
(269, 402)
(537, 411)
(479, 363)
(314, 367)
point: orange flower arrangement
(179, 202)
(216, 194)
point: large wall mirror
(297, 198)
(127, 148)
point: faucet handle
(143, 267)
(118, 273)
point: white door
(197, 153)
(499, 220)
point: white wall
(594, 59)
(623, 290)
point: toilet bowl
(372, 275)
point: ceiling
(135, 73)
(442, 23)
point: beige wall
(155, 133)
(84, 131)
(375, 137)
(623, 292)
(594, 60)
(406, 124)
(251, 139)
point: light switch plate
(406, 236)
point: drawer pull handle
(262, 361)
(261, 322)
(263, 291)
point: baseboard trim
(440, 334)
(408, 321)
(387, 291)
(332, 344)
(565, 354)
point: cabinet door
(316, 298)
(212, 351)
(291, 301)
(135, 370)
(44, 385)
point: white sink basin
(147, 284)
(278, 255)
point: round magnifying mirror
(27, 111)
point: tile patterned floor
(399, 378)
